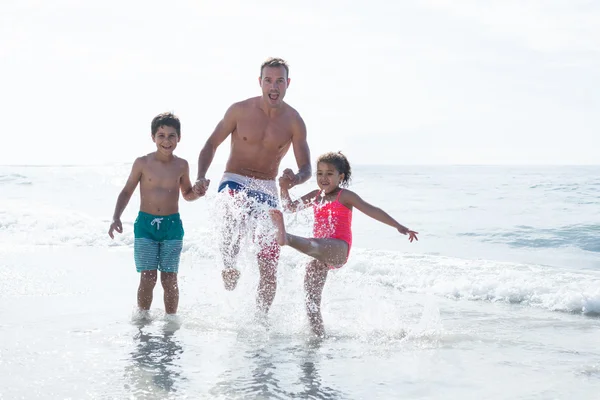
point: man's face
(274, 83)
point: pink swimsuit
(333, 220)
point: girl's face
(328, 177)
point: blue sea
(499, 298)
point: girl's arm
(286, 201)
(292, 206)
(350, 198)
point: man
(262, 130)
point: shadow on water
(153, 371)
(268, 371)
(310, 379)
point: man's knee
(269, 254)
(268, 270)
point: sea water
(499, 298)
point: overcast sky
(387, 82)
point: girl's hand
(288, 179)
(285, 182)
(412, 235)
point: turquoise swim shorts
(158, 242)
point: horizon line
(354, 164)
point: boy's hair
(275, 62)
(340, 163)
(166, 119)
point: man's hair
(275, 62)
(340, 163)
(166, 119)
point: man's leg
(268, 258)
(231, 236)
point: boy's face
(166, 139)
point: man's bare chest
(276, 131)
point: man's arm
(301, 151)
(221, 132)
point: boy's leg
(145, 289)
(314, 281)
(171, 291)
(145, 254)
(169, 257)
(327, 250)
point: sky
(422, 82)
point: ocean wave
(582, 236)
(551, 288)
(16, 179)
(546, 287)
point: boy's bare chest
(161, 176)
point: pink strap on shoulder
(339, 194)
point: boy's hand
(412, 235)
(201, 186)
(288, 179)
(115, 226)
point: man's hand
(201, 186)
(115, 226)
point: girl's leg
(327, 250)
(314, 281)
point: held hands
(201, 186)
(412, 235)
(288, 180)
(115, 226)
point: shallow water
(424, 321)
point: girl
(332, 231)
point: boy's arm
(125, 196)
(187, 191)
(221, 132)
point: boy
(158, 230)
